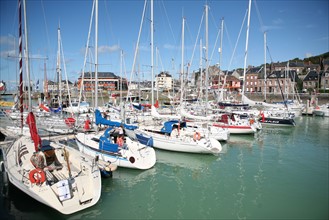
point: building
(324, 80)
(107, 81)
(291, 65)
(277, 81)
(54, 87)
(251, 83)
(311, 80)
(164, 81)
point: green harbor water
(280, 173)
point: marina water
(280, 173)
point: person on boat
(118, 133)
(105, 116)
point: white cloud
(170, 47)
(7, 41)
(308, 55)
(277, 21)
(7, 53)
(109, 49)
(271, 27)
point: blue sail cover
(103, 121)
(105, 143)
(169, 125)
(146, 140)
(55, 110)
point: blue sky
(294, 29)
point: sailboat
(267, 117)
(56, 175)
(171, 134)
(52, 173)
(127, 153)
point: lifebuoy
(37, 176)
(69, 122)
(196, 136)
(251, 121)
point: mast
(121, 61)
(58, 68)
(182, 63)
(156, 65)
(285, 81)
(265, 65)
(152, 53)
(27, 59)
(207, 61)
(200, 67)
(246, 51)
(20, 63)
(220, 53)
(139, 77)
(96, 54)
(45, 85)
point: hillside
(314, 59)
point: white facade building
(163, 81)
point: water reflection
(259, 178)
(129, 177)
(17, 205)
(194, 162)
(240, 195)
(241, 140)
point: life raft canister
(37, 176)
(87, 125)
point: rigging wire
(236, 44)
(259, 17)
(196, 40)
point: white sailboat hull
(65, 194)
(183, 143)
(137, 156)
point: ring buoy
(251, 121)
(196, 136)
(37, 176)
(69, 122)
